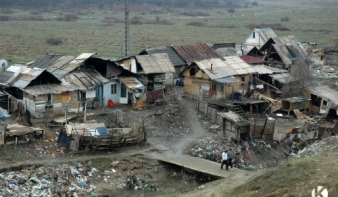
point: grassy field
(24, 33)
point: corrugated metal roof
(25, 77)
(261, 69)
(85, 79)
(156, 63)
(131, 82)
(60, 65)
(283, 78)
(48, 60)
(10, 74)
(231, 67)
(175, 59)
(332, 46)
(196, 52)
(227, 80)
(46, 89)
(285, 58)
(5, 76)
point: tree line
(84, 3)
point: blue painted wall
(107, 92)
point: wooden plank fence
(209, 112)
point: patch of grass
(54, 41)
(99, 30)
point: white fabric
(224, 156)
(90, 94)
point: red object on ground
(111, 103)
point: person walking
(225, 159)
(230, 158)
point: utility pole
(126, 29)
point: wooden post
(85, 112)
(250, 109)
(8, 104)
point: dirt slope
(316, 166)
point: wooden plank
(65, 97)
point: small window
(324, 102)
(253, 34)
(113, 89)
(193, 71)
(48, 99)
(243, 79)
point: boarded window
(113, 89)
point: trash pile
(209, 148)
(80, 179)
(48, 181)
(325, 145)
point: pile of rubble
(70, 180)
(326, 145)
(49, 181)
(209, 148)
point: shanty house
(90, 83)
(331, 53)
(274, 82)
(38, 90)
(158, 68)
(323, 100)
(219, 78)
(257, 38)
(283, 52)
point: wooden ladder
(238, 110)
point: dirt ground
(170, 128)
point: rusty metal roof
(196, 52)
(26, 76)
(216, 68)
(47, 89)
(252, 60)
(156, 63)
(85, 79)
